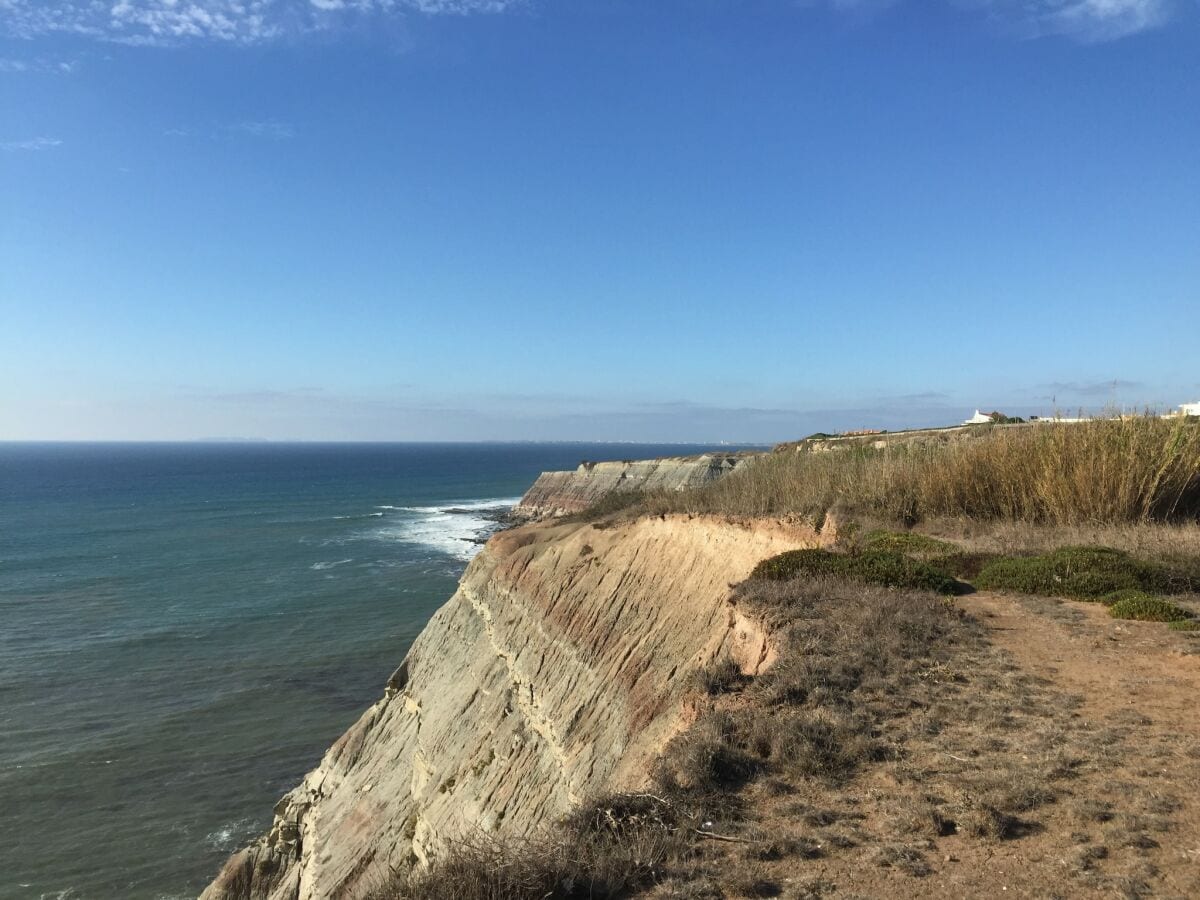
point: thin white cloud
(1103, 20)
(167, 22)
(38, 143)
(266, 129)
(1083, 20)
(270, 129)
(1089, 21)
(53, 66)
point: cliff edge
(564, 493)
(556, 671)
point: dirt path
(1114, 666)
(1087, 726)
(1137, 686)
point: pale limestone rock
(556, 672)
(563, 493)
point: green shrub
(1125, 594)
(872, 566)
(1085, 573)
(1184, 625)
(946, 556)
(909, 543)
(1148, 609)
(896, 570)
(793, 563)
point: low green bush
(1148, 609)
(909, 543)
(897, 570)
(1125, 594)
(872, 566)
(793, 563)
(1085, 573)
(1184, 625)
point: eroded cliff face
(563, 493)
(557, 671)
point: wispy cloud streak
(271, 130)
(167, 22)
(38, 143)
(52, 66)
(1089, 21)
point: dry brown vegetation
(1106, 471)
(893, 750)
(931, 747)
(903, 743)
(609, 848)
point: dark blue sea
(184, 629)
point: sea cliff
(564, 493)
(557, 671)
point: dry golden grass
(1147, 540)
(1102, 472)
(605, 849)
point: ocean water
(184, 629)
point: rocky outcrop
(563, 493)
(557, 671)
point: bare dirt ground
(1059, 756)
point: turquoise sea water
(185, 628)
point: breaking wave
(456, 529)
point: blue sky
(735, 220)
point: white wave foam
(322, 566)
(455, 529)
(494, 503)
(374, 515)
(232, 835)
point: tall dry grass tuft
(1106, 471)
(607, 848)
(1112, 470)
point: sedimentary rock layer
(557, 671)
(563, 493)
